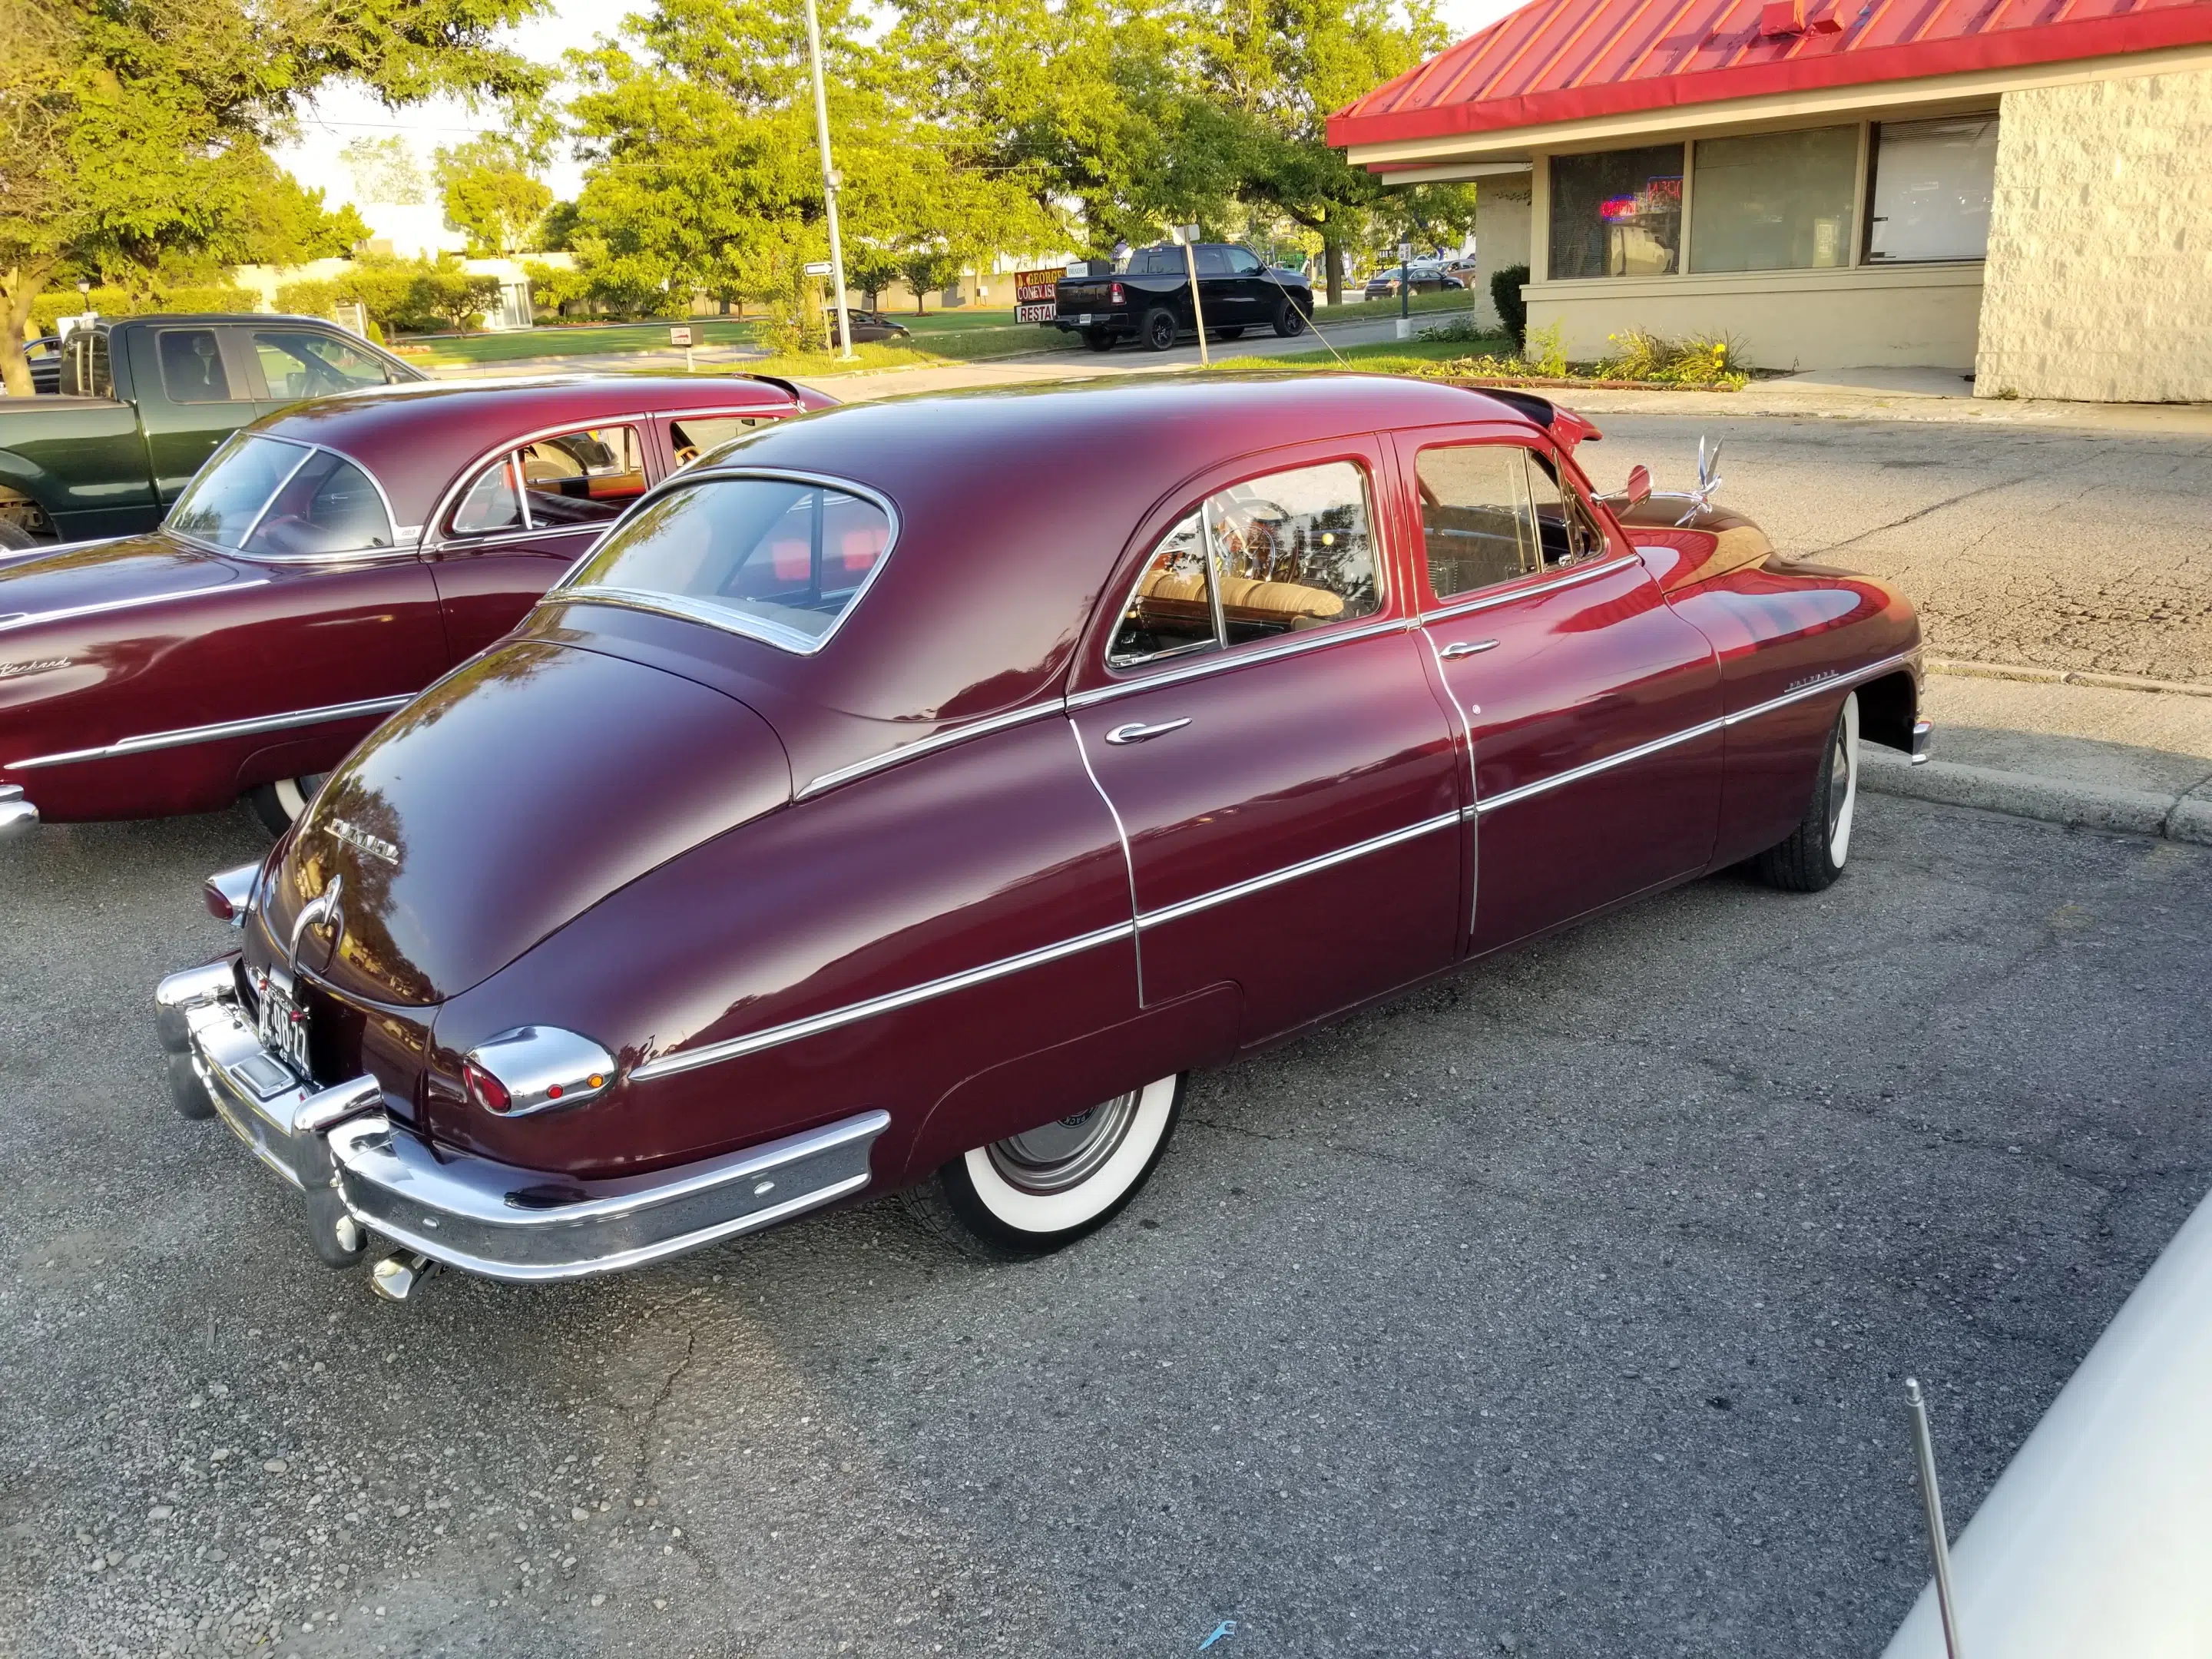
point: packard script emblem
(358, 838)
(9, 670)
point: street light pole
(829, 183)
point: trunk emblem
(359, 839)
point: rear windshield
(777, 558)
(263, 496)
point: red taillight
(1120, 298)
(487, 1090)
(218, 904)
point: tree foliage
(490, 192)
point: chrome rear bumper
(1923, 739)
(17, 816)
(495, 1219)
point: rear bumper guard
(17, 816)
(495, 1219)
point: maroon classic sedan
(912, 796)
(327, 563)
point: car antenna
(1931, 1496)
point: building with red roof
(2017, 190)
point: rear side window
(777, 558)
(191, 366)
(1274, 556)
(576, 478)
(1476, 526)
(327, 507)
(694, 435)
(85, 370)
(221, 503)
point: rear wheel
(1158, 330)
(1040, 1191)
(1813, 855)
(13, 538)
(279, 804)
(1289, 319)
(1097, 339)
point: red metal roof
(1566, 60)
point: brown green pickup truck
(144, 400)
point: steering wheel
(1251, 529)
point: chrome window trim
(791, 1030)
(1238, 656)
(735, 622)
(182, 736)
(1551, 584)
(436, 537)
(937, 740)
(307, 454)
(31, 618)
(1841, 680)
(395, 549)
(1293, 872)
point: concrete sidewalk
(2027, 742)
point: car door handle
(1138, 732)
(1468, 648)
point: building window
(1773, 201)
(1932, 184)
(1618, 213)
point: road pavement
(1559, 1309)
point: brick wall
(2098, 284)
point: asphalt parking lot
(1562, 1309)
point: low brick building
(2019, 191)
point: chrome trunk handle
(1468, 648)
(1138, 732)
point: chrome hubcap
(1057, 1156)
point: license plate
(1084, 322)
(282, 1026)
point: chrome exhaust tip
(398, 1274)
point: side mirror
(1638, 486)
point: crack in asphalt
(1919, 513)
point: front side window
(778, 558)
(1933, 184)
(191, 366)
(1566, 529)
(1477, 525)
(221, 504)
(1242, 262)
(1274, 556)
(327, 507)
(299, 364)
(1617, 213)
(1773, 201)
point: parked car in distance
(1424, 279)
(902, 800)
(45, 357)
(869, 327)
(332, 560)
(1149, 301)
(143, 401)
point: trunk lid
(1077, 295)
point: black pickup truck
(1149, 299)
(142, 401)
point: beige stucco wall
(2099, 271)
(1893, 316)
(1501, 236)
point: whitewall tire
(1813, 855)
(1041, 1191)
(278, 804)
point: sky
(338, 117)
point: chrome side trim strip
(1591, 768)
(27, 618)
(1121, 833)
(1236, 657)
(1510, 595)
(1293, 871)
(935, 741)
(191, 734)
(687, 1060)
(1835, 682)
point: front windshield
(778, 558)
(271, 499)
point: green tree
(490, 192)
(384, 170)
(133, 133)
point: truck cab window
(1242, 262)
(191, 366)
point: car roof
(416, 436)
(1016, 504)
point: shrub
(1505, 293)
(48, 310)
(307, 299)
(1545, 352)
(1697, 359)
(1460, 328)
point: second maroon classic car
(327, 563)
(911, 797)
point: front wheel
(1289, 319)
(1040, 1191)
(1813, 855)
(278, 804)
(1159, 328)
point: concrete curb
(2028, 795)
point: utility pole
(1187, 235)
(828, 184)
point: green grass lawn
(598, 339)
(1383, 357)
